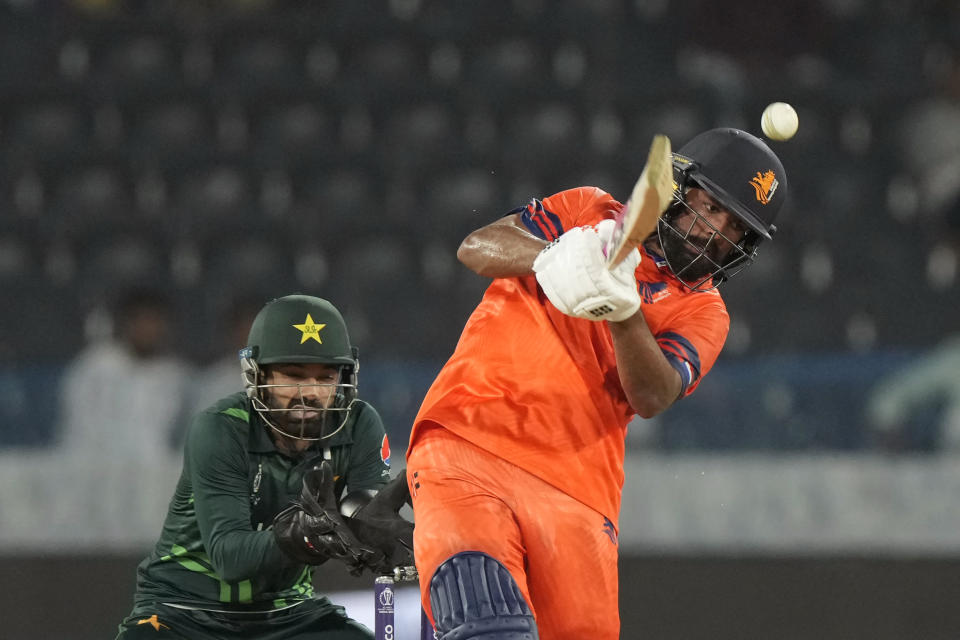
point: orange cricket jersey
(540, 388)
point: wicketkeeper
(257, 506)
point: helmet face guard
(747, 179)
(697, 262)
(294, 419)
(301, 330)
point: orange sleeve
(554, 215)
(694, 349)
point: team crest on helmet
(764, 184)
(310, 330)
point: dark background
(215, 149)
(220, 149)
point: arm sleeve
(693, 344)
(370, 455)
(550, 218)
(217, 459)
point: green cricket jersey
(215, 550)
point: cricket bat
(651, 196)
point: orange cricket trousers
(561, 553)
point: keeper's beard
(299, 420)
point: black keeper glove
(312, 530)
(378, 525)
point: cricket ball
(779, 121)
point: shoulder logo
(764, 184)
(309, 330)
(385, 450)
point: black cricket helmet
(739, 171)
(300, 329)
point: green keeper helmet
(300, 329)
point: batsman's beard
(689, 262)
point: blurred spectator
(757, 39)
(124, 394)
(930, 385)
(929, 134)
(900, 401)
(222, 376)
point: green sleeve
(216, 457)
(368, 469)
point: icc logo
(388, 632)
(386, 597)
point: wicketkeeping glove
(573, 274)
(378, 525)
(313, 531)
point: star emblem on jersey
(310, 330)
(153, 622)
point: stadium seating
(346, 149)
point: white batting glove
(625, 271)
(573, 275)
(561, 274)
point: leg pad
(474, 597)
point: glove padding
(313, 531)
(572, 271)
(378, 525)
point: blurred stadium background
(255, 148)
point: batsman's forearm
(650, 383)
(500, 251)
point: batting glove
(625, 272)
(573, 275)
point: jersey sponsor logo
(309, 330)
(257, 479)
(651, 292)
(764, 184)
(385, 450)
(153, 622)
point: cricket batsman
(515, 461)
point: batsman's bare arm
(501, 249)
(505, 249)
(649, 381)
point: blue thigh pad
(474, 597)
